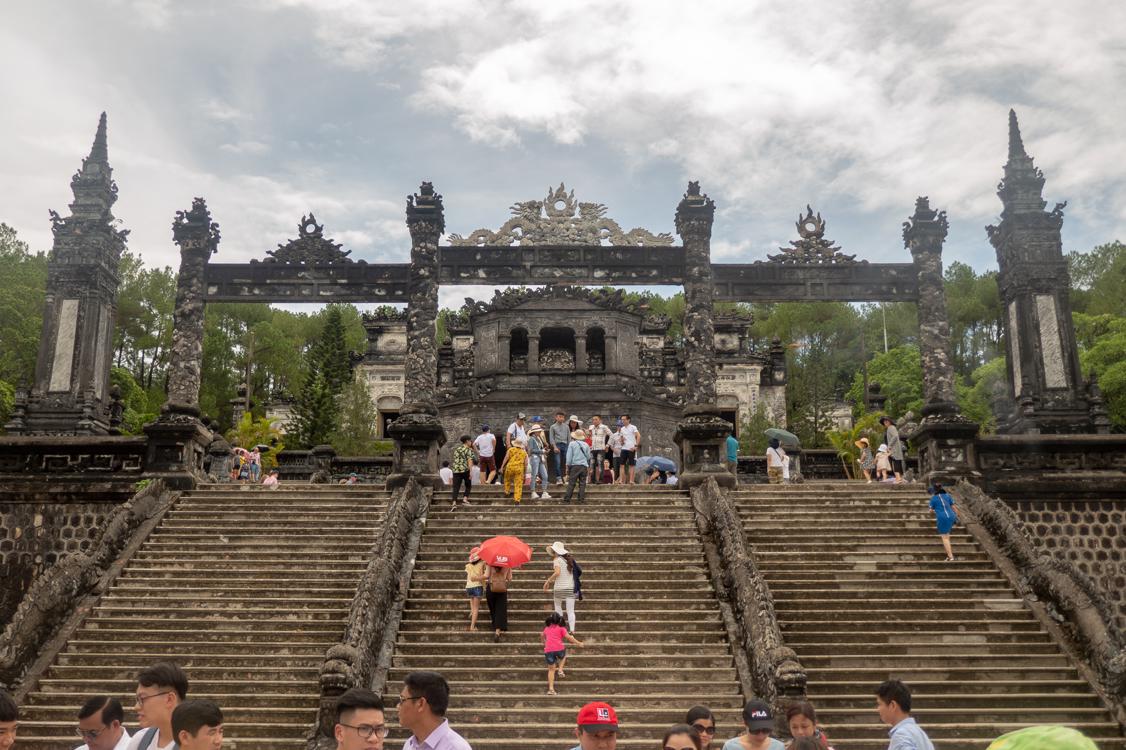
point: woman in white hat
(537, 461)
(562, 582)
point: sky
(270, 109)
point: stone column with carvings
(178, 440)
(504, 353)
(1043, 356)
(944, 438)
(702, 433)
(418, 433)
(533, 352)
(580, 353)
(70, 393)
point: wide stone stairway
(245, 588)
(863, 593)
(655, 642)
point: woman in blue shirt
(945, 516)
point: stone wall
(1089, 533)
(35, 534)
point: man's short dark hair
(191, 716)
(165, 674)
(464, 439)
(356, 699)
(895, 690)
(110, 707)
(626, 416)
(561, 414)
(431, 686)
(9, 711)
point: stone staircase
(246, 588)
(862, 594)
(655, 642)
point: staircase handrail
(776, 672)
(353, 661)
(1071, 597)
(53, 595)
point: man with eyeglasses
(360, 723)
(9, 721)
(422, 710)
(597, 727)
(100, 724)
(160, 688)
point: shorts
(488, 463)
(476, 592)
(554, 657)
(627, 458)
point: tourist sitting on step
(682, 737)
(360, 721)
(423, 702)
(802, 720)
(160, 688)
(554, 651)
(100, 723)
(759, 722)
(198, 725)
(893, 703)
(9, 721)
(702, 720)
(446, 474)
(596, 727)
(271, 480)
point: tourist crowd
(168, 720)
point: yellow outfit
(514, 472)
(474, 571)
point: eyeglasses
(703, 729)
(88, 734)
(404, 699)
(142, 698)
(367, 731)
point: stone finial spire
(99, 152)
(1016, 145)
(94, 190)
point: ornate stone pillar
(504, 353)
(1043, 357)
(611, 352)
(69, 394)
(418, 433)
(178, 439)
(702, 432)
(580, 352)
(944, 438)
(533, 352)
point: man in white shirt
(160, 688)
(486, 445)
(599, 434)
(516, 431)
(446, 473)
(99, 723)
(631, 443)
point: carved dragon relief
(559, 219)
(812, 248)
(311, 246)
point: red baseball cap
(597, 716)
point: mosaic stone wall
(1089, 533)
(34, 536)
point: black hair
(553, 619)
(110, 707)
(699, 712)
(805, 743)
(774, 443)
(9, 711)
(355, 699)
(165, 674)
(895, 690)
(626, 416)
(683, 729)
(431, 686)
(937, 489)
(464, 439)
(570, 560)
(561, 414)
(445, 464)
(191, 716)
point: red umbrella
(505, 552)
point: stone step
(590, 610)
(878, 607)
(127, 667)
(595, 649)
(237, 586)
(866, 672)
(947, 699)
(1012, 622)
(302, 634)
(187, 658)
(140, 613)
(453, 626)
(123, 684)
(199, 647)
(931, 690)
(265, 576)
(578, 660)
(877, 639)
(277, 566)
(924, 648)
(249, 699)
(594, 635)
(232, 730)
(207, 622)
(233, 713)
(220, 600)
(868, 584)
(534, 672)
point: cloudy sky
(272, 108)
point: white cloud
(245, 147)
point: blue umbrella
(660, 463)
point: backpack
(577, 572)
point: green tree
(143, 328)
(251, 432)
(900, 375)
(1104, 354)
(22, 295)
(357, 434)
(844, 441)
(139, 409)
(752, 433)
(975, 400)
(973, 305)
(328, 370)
(1098, 280)
(7, 402)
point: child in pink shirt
(554, 651)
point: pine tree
(317, 410)
(357, 434)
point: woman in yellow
(513, 468)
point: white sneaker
(535, 496)
(545, 496)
